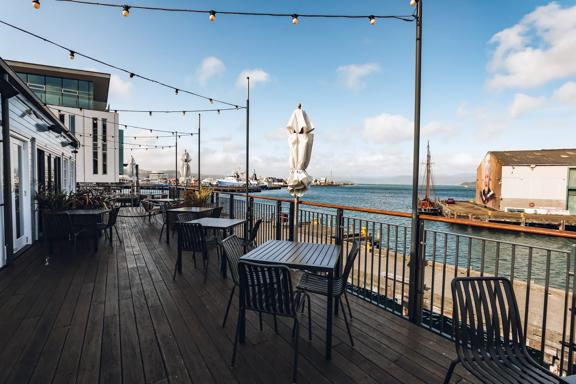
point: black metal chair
(234, 250)
(251, 241)
(318, 284)
(267, 289)
(191, 238)
(56, 227)
(216, 212)
(488, 334)
(110, 224)
(184, 217)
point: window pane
(104, 147)
(53, 90)
(72, 124)
(95, 146)
(572, 178)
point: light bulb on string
(372, 20)
(176, 91)
(295, 19)
(72, 55)
(218, 111)
(150, 113)
(36, 4)
(212, 16)
(131, 75)
(413, 3)
(211, 101)
(183, 113)
(125, 11)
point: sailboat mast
(428, 170)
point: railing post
(416, 282)
(278, 220)
(570, 368)
(250, 218)
(231, 208)
(291, 222)
(339, 236)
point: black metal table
(88, 218)
(220, 224)
(303, 256)
(174, 211)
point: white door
(21, 218)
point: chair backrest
(234, 250)
(146, 205)
(216, 212)
(113, 216)
(266, 288)
(191, 237)
(254, 231)
(184, 217)
(486, 318)
(56, 225)
(352, 254)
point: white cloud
(566, 93)
(119, 86)
(352, 76)
(537, 50)
(210, 67)
(435, 127)
(523, 103)
(277, 134)
(256, 76)
(387, 128)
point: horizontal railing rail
(540, 262)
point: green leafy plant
(195, 198)
(52, 201)
(82, 199)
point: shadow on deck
(116, 316)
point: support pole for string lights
(247, 225)
(176, 164)
(416, 287)
(199, 178)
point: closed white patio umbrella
(132, 168)
(185, 167)
(300, 141)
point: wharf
(473, 211)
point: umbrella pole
(296, 209)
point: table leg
(223, 265)
(167, 228)
(329, 314)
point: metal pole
(199, 178)
(176, 164)
(248, 218)
(415, 296)
(7, 174)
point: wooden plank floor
(116, 316)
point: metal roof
(566, 157)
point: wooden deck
(116, 316)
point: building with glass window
(37, 154)
(80, 101)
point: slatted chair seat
(318, 284)
(488, 334)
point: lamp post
(248, 212)
(416, 288)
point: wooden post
(291, 222)
(231, 208)
(278, 220)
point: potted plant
(195, 198)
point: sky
(496, 75)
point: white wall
(84, 168)
(544, 183)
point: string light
(125, 11)
(212, 16)
(131, 75)
(408, 18)
(36, 4)
(372, 20)
(176, 91)
(72, 55)
(295, 19)
(413, 3)
(104, 63)
(183, 112)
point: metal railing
(543, 275)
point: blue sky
(497, 75)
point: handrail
(471, 223)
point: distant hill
(469, 184)
(407, 179)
